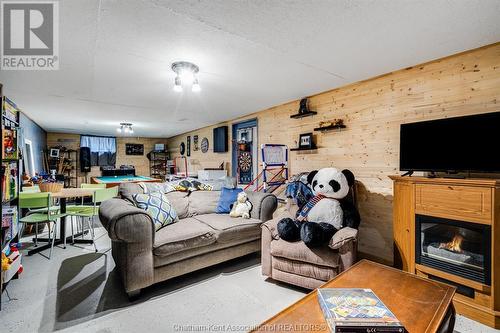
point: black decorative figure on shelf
(303, 106)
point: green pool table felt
(117, 179)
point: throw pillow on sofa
(156, 187)
(227, 197)
(158, 206)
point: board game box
(356, 310)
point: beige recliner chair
(295, 263)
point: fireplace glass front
(456, 247)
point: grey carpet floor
(78, 290)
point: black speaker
(85, 159)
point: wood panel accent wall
(462, 84)
(140, 162)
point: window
(102, 149)
(29, 161)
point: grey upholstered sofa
(200, 239)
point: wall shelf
(303, 115)
(329, 128)
(303, 149)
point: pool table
(112, 181)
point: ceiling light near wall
(125, 128)
(186, 75)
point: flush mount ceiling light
(125, 128)
(186, 75)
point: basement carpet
(80, 291)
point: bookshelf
(65, 164)
(10, 187)
(158, 164)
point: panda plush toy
(326, 213)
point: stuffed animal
(325, 213)
(241, 207)
(6, 261)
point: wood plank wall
(141, 163)
(463, 84)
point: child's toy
(274, 172)
(325, 213)
(6, 261)
(241, 207)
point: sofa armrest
(342, 237)
(269, 234)
(345, 242)
(125, 222)
(132, 233)
(263, 205)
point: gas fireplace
(456, 247)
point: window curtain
(102, 149)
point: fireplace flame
(454, 245)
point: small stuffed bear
(324, 214)
(241, 207)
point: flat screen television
(220, 139)
(467, 143)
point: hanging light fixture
(177, 86)
(196, 86)
(125, 128)
(186, 75)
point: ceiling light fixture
(125, 128)
(196, 86)
(187, 75)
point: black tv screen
(467, 143)
(220, 139)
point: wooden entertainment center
(425, 209)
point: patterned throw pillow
(158, 206)
(156, 187)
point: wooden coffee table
(422, 305)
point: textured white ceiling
(116, 56)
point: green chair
(88, 212)
(76, 208)
(36, 189)
(44, 214)
(31, 189)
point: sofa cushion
(158, 206)
(190, 253)
(202, 202)
(298, 251)
(185, 234)
(127, 190)
(230, 229)
(180, 202)
(149, 187)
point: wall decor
(195, 143)
(134, 149)
(303, 106)
(306, 141)
(333, 124)
(159, 147)
(54, 153)
(182, 148)
(303, 110)
(204, 145)
(188, 146)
